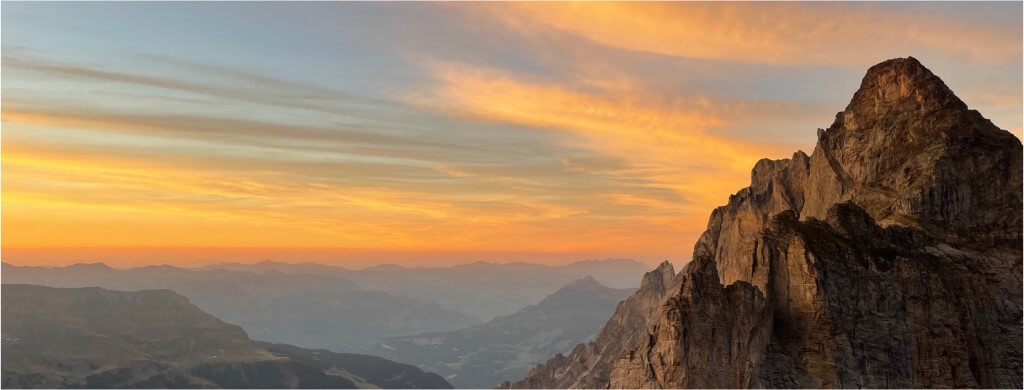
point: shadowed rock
(889, 257)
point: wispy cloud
(545, 129)
(230, 84)
(256, 182)
(770, 33)
(666, 144)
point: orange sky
(434, 134)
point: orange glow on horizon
(76, 205)
(538, 132)
(128, 257)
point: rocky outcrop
(700, 338)
(889, 257)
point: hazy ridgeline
(506, 347)
(96, 338)
(318, 306)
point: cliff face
(889, 257)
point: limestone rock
(889, 257)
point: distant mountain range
(302, 309)
(506, 347)
(91, 337)
(482, 290)
(320, 306)
(364, 370)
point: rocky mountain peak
(910, 152)
(659, 277)
(888, 257)
(902, 84)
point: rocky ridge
(889, 257)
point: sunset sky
(434, 134)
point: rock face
(889, 257)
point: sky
(434, 133)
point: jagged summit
(659, 276)
(911, 153)
(902, 84)
(888, 257)
(666, 266)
